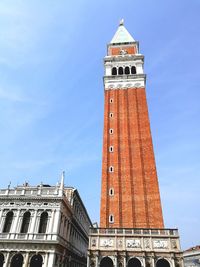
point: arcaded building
(43, 226)
(191, 257)
(132, 231)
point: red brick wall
(136, 200)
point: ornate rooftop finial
(62, 180)
(62, 184)
(121, 23)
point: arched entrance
(1, 260)
(134, 262)
(162, 263)
(17, 260)
(36, 261)
(106, 262)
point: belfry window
(121, 71)
(111, 218)
(127, 70)
(111, 100)
(111, 114)
(25, 222)
(114, 71)
(133, 70)
(8, 222)
(43, 222)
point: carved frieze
(124, 85)
(174, 243)
(147, 243)
(106, 242)
(94, 242)
(133, 243)
(160, 244)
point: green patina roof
(122, 35)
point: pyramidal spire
(122, 35)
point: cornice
(123, 58)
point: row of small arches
(25, 222)
(124, 70)
(18, 260)
(133, 262)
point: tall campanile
(130, 194)
(132, 232)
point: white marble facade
(134, 248)
(43, 226)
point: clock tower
(132, 232)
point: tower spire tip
(121, 23)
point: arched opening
(1, 260)
(114, 71)
(25, 222)
(17, 260)
(106, 262)
(121, 71)
(111, 218)
(8, 222)
(162, 263)
(36, 261)
(133, 70)
(127, 70)
(43, 222)
(134, 262)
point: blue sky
(51, 96)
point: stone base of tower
(109, 247)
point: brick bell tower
(131, 229)
(130, 194)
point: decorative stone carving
(106, 242)
(160, 244)
(93, 242)
(146, 243)
(123, 52)
(174, 244)
(133, 243)
(120, 242)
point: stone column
(88, 261)
(97, 261)
(37, 223)
(46, 260)
(51, 259)
(69, 230)
(15, 223)
(115, 261)
(173, 262)
(33, 220)
(6, 264)
(124, 261)
(51, 223)
(2, 219)
(153, 261)
(1, 212)
(56, 222)
(26, 260)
